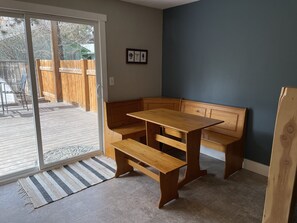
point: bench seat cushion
(131, 130)
(220, 141)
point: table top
(174, 119)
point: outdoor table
(188, 124)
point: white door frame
(30, 10)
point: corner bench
(118, 126)
(227, 137)
(130, 153)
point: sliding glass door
(64, 55)
(18, 150)
(57, 120)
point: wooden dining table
(189, 125)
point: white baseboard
(212, 153)
(250, 165)
(255, 167)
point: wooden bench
(227, 137)
(118, 126)
(131, 154)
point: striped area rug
(49, 186)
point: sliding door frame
(28, 11)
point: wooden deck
(62, 125)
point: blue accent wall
(233, 52)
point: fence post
(86, 96)
(56, 61)
(39, 76)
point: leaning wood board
(280, 195)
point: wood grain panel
(280, 200)
(72, 82)
(92, 92)
(193, 108)
(154, 103)
(230, 119)
(233, 117)
(70, 64)
(91, 74)
(47, 77)
(78, 82)
(72, 88)
(171, 142)
(152, 157)
(117, 112)
(91, 67)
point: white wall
(128, 26)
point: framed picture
(130, 56)
(136, 56)
(143, 56)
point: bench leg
(233, 159)
(122, 163)
(168, 187)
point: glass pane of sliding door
(18, 150)
(64, 56)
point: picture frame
(143, 56)
(130, 56)
(136, 56)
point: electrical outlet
(111, 81)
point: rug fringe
(25, 196)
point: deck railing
(11, 72)
(74, 83)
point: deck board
(62, 125)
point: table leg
(151, 131)
(192, 158)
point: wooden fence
(74, 83)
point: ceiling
(160, 4)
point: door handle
(99, 91)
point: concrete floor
(134, 198)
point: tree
(13, 44)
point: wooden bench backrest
(154, 103)
(116, 112)
(233, 117)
